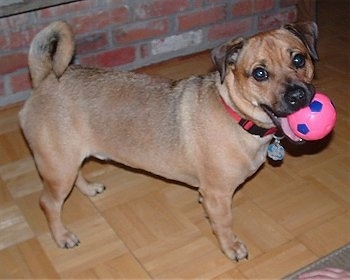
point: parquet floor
(143, 227)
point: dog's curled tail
(50, 51)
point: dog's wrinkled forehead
(286, 40)
(275, 46)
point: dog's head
(269, 75)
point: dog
(208, 131)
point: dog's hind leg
(59, 174)
(88, 188)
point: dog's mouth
(283, 125)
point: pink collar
(248, 125)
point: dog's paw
(236, 250)
(92, 189)
(96, 188)
(68, 240)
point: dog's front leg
(218, 207)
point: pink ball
(314, 121)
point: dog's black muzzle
(296, 96)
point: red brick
(157, 8)
(4, 43)
(119, 15)
(99, 20)
(110, 58)
(61, 10)
(141, 31)
(91, 43)
(210, 2)
(2, 89)
(243, 7)
(12, 62)
(20, 39)
(198, 3)
(287, 3)
(230, 29)
(15, 22)
(201, 17)
(88, 23)
(20, 82)
(264, 5)
(268, 22)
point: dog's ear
(226, 54)
(307, 32)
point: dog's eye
(260, 74)
(299, 61)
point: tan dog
(211, 132)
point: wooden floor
(142, 227)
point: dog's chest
(257, 156)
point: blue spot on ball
(303, 129)
(316, 106)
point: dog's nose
(296, 97)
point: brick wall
(128, 34)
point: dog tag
(275, 151)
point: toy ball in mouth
(316, 120)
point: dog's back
(83, 106)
